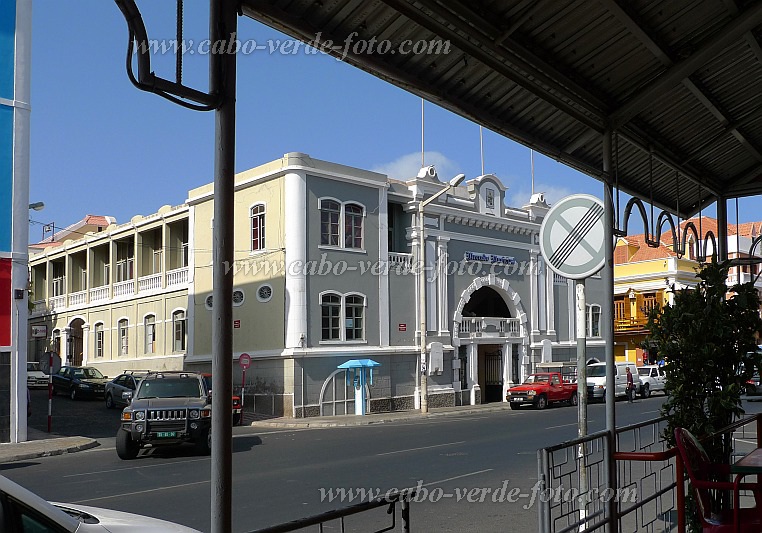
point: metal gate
(493, 376)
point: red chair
(703, 475)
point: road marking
(133, 468)
(456, 477)
(142, 492)
(422, 448)
(567, 425)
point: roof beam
(735, 29)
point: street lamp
(454, 182)
(37, 206)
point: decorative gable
(488, 194)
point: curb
(367, 421)
(48, 449)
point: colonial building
(326, 269)
(646, 277)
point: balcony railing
(124, 288)
(149, 283)
(40, 306)
(630, 324)
(178, 276)
(57, 302)
(78, 298)
(99, 293)
(400, 259)
(486, 326)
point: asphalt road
(282, 475)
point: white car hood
(118, 521)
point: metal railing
(650, 491)
(403, 498)
(630, 323)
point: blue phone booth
(358, 378)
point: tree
(708, 340)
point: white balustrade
(178, 276)
(124, 288)
(404, 260)
(485, 326)
(78, 298)
(99, 293)
(57, 302)
(149, 283)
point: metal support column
(722, 228)
(607, 318)
(223, 32)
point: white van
(596, 380)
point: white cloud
(520, 197)
(407, 166)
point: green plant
(708, 338)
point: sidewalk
(41, 444)
(375, 418)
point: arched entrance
(490, 332)
(74, 345)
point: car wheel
(542, 402)
(126, 448)
(109, 402)
(514, 406)
(73, 393)
(573, 400)
(204, 443)
(646, 392)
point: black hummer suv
(169, 408)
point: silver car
(126, 382)
(21, 506)
(34, 376)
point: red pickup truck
(542, 388)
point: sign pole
(50, 391)
(581, 305)
(243, 384)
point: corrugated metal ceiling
(680, 82)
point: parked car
(34, 376)
(115, 389)
(22, 511)
(237, 406)
(168, 408)
(596, 380)
(541, 389)
(80, 382)
(753, 386)
(654, 378)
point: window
(593, 320)
(150, 331)
(99, 340)
(264, 293)
(125, 254)
(341, 225)
(56, 341)
(330, 212)
(330, 305)
(353, 215)
(490, 201)
(179, 326)
(649, 303)
(347, 309)
(123, 336)
(355, 306)
(258, 227)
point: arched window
(124, 339)
(150, 333)
(353, 215)
(179, 327)
(56, 341)
(330, 305)
(330, 213)
(354, 322)
(99, 339)
(258, 227)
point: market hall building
(326, 270)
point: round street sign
(244, 361)
(571, 236)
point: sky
(100, 146)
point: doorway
(491, 373)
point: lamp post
(454, 182)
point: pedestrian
(28, 403)
(630, 386)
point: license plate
(517, 399)
(165, 434)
